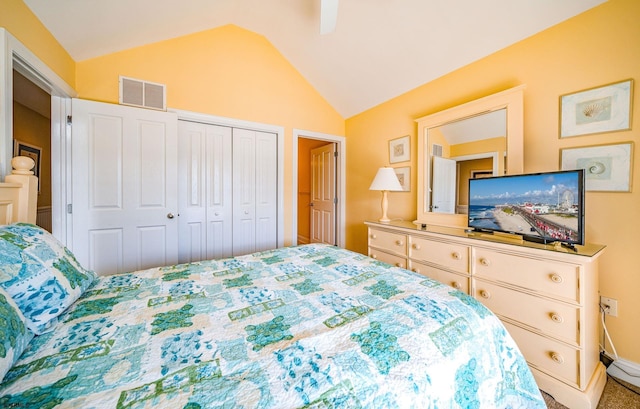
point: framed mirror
(480, 138)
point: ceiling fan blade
(328, 16)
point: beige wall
(595, 48)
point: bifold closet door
(254, 191)
(204, 185)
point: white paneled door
(204, 186)
(124, 187)
(323, 194)
(255, 170)
(444, 185)
(228, 190)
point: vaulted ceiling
(379, 49)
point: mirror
(476, 139)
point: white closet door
(254, 191)
(204, 184)
(266, 191)
(124, 188)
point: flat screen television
(543, 207)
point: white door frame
(255, 126)
(340, 178)
(14, 55)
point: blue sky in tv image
(545, 205)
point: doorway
(15, 56)
(32, 137)
(304, 142)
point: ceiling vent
(142, 94)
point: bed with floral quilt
(306, 326)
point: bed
(310, 326)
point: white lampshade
(386, 179)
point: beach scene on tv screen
(544, 205)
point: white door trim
(342, 155)
(254, 126)
(14, 55)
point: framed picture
(479, 174)
(399, 150)
(31, 151)
(596, 110)
(404, 177)
(607, 167)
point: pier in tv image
(547, 206)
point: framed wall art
(31, 151)
(479, 174)
(596, 110)
(404, 177)
(399, 150)
(607, 167)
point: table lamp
(386, 180)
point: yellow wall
(595, 48)
(35, 130)
(18, 20)
(229, 72)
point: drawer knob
(456, 255)
(557, 318)
(399, 242)
(373, 256)
(416, 246)
(556, 278)
(456, 285)
(485, 262)
(485, 294)
(373, 236)
(557, 358)
(399, 265)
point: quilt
(311, 326)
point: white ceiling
(379, 50)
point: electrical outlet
(610, 306)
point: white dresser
(547, 297)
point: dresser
(546, 296)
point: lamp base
(384, 204)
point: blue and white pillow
(14, 335)
(40, 274)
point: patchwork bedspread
(308, 326)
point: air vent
(142, 94)
(437, 150)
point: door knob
(169, 215)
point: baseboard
(626, 371)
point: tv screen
(543, 207)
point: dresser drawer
(554, 318)
(395, 243)
(552, 278)
(547, 355)
(457, 281)
(392, 259)
(449, 255)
